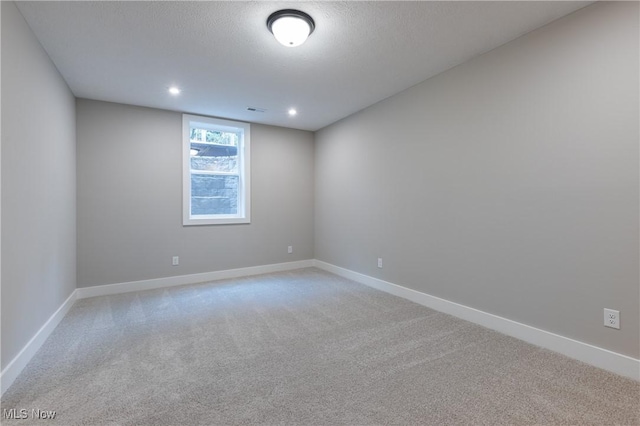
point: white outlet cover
(612, 318)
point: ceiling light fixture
(292, 112)
(174, 90)
(290, 27)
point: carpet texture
(302, 348)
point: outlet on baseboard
(612, 318)
(175, 261)
(379, 262)
(290, 249)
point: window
(215, 171)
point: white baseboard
(107, 289)
(593, 355)
(13, 369)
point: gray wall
(130, 199)
(38, 186)
(508, 184)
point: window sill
(219, 221)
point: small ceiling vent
(255, 109)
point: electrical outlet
(175, 261)
(379, 262)
(290, 249)
(612, 318)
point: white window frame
(244, 169)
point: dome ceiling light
(290, 27)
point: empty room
(320, 213)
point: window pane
(214, 194)
(214, 150)
(225, 164)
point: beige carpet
(301, 348)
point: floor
(302, 347)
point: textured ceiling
(224, 59)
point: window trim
(244, 170)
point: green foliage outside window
(222, 138)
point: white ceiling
(224, 59)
